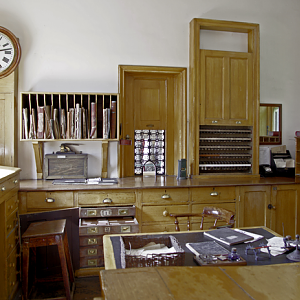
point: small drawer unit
(94, 222)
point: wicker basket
(164, 259)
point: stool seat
(45, 228)
(49, 233)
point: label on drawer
(105, 212)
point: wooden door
(226, 88)
(285, 209)
(153, 98)
(252, 207)
(8, 121)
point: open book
(228, 236)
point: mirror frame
(272, 140)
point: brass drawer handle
(92, 251)
(125, 228)
(238, 122)
(214, 122)
(16, 181)
(107, 200)
(92, 262)
(49, 200)
(122, 212)
(92, 241)
(92, 212)
(214, 193)
(165, 196)
(92, 230)
(3, 188)
(165, 213)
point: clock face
(7, 52)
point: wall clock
(10, 52)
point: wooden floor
(86, 288)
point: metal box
(61, 166)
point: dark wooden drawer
(91, 262)
(104, 212)
(91, 251)
(91, 240)
(108, 226)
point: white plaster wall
(77, 45)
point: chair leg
(25, 270)
(176, 224)
(63, 262)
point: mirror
(270, 130)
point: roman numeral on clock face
(5, 59)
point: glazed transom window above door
(152, 103)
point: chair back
(218, 214)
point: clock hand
(5, 49)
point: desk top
(272, 282)
(112, 257)
(138, 182)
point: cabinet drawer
(213, 194)
(126, 211)
(11, 204)
(159, 228)
(91, 251)
(49, 200)
(89, 262)
(104, 226)
(12, 240)
(8, 185)
(164, 196)
(104, 198)
(12, 270)
(91, 240)
(12, 222)
(160, 213)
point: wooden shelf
(59, 104)
(63, 103)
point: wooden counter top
(8, 172)
(158, 182)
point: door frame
(180, 108)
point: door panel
(153, 98)
(150, 104)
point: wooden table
(110, 259)
(271, 282)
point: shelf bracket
(38, 148)
(104, 158)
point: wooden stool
(49, 233)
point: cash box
(64, 166)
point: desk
(112, 250)
(272, 282)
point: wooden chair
(47, 233)
(216, 213)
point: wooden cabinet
(224, 92)
(297, 158)
(285, 209)
(8, 115)
(273, 206)
(226, 88)
(252, 206)
(9, 234)
(156, 206)
(223, 197)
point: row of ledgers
(68, 116)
